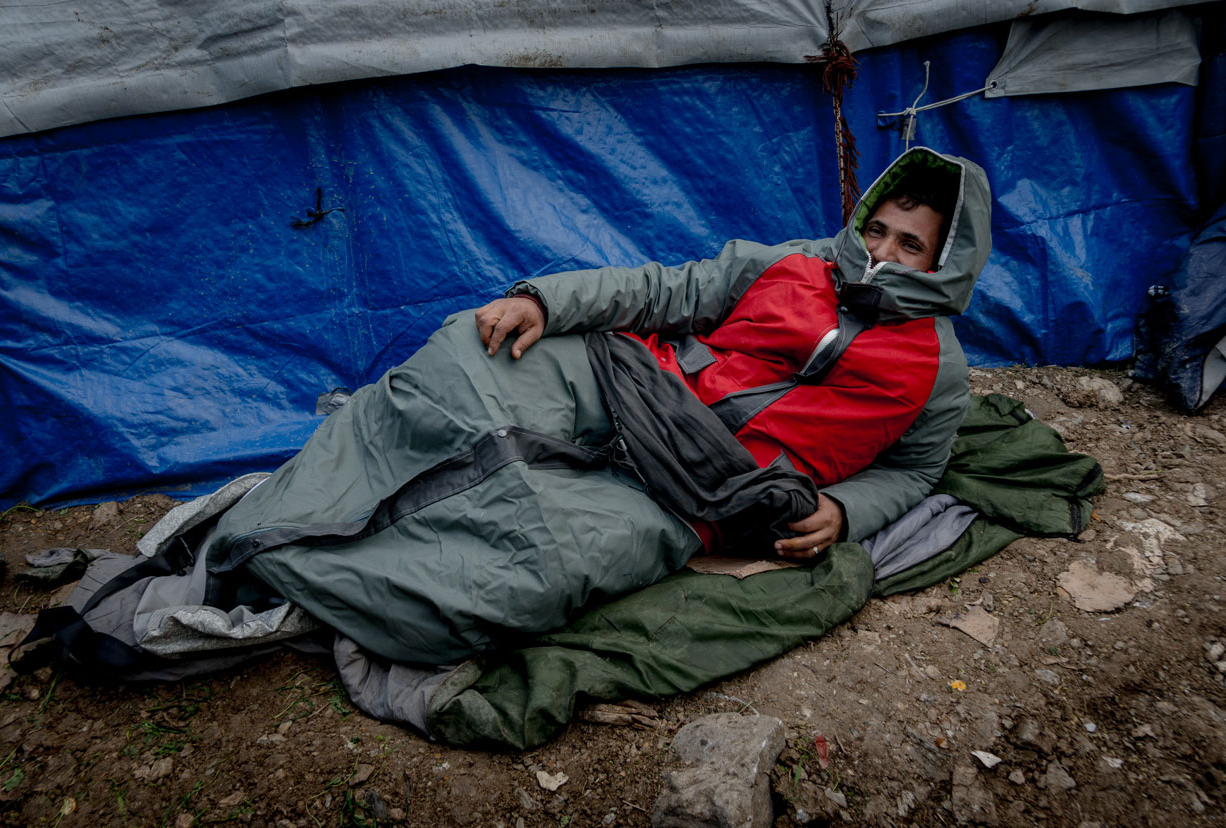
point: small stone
(155, 771)
(1017, 777)
(989, 760)
(525, 800)
(1048, 676)
(1091, 727)
(1110, 763)
(106, 513)
(1029, 734)
(375, 805)
(1208, 435)
(1057, 778)
(970, 800)
(1214, 650)
(363, 773)
(1199, 495)
(185, 820)
(1138, 498)
(551, 781)
(1105, 392)
(837, 797)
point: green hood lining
(904, 166)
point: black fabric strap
(75, 642)
(739, 407)
(450, 477)
(690, 462)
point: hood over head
(907, 293)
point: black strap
(76, 642)
(739, 407)
(450, 477)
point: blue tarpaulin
(165, 326)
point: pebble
(1108, 392)
(989, 760)
(1091, 727)
(1017, 777)
(1206, 434)
(1058, 779)
(551, 781)
(375, 804)
(1199, 495)
(1138, 498)
(525, 800)
(1048, 676)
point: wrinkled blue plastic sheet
(164, 327)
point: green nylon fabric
(671, 637)
(1016, 471)
(691, 629)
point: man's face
(908, 237)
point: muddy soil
(1055, 714)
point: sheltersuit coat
(464, 499)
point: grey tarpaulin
(1083, 53)
(62, 65)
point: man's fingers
(526, 340)
(502, 317)
(487, 316)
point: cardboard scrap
(1094, 591)
(736, 567)
(976, 622)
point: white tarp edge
(1079, 54)
(63, 64)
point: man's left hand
(815, 532)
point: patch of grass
(354, 813)
(304, 694)
(120, 792)
(20, 507)
(14, 780)
(182, 802)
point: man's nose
(885, 251)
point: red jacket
(829, 430)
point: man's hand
(815, 532)
(504, 316)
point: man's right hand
(515, 314)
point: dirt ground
(1057, 716)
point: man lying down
(771, 400)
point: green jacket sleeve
(905, 473)
(689, 298)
